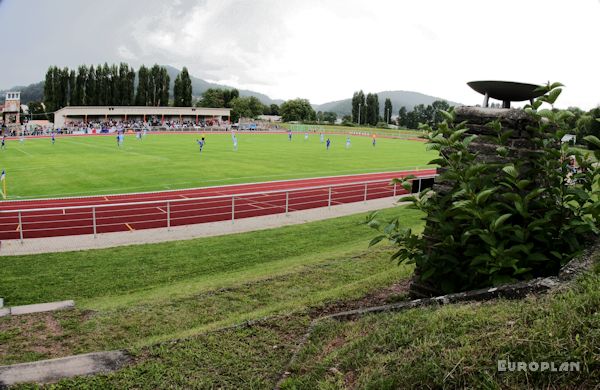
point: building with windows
(73, 115)
(11, 111)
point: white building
(11, 111)
(74, 114)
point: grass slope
(95, 165)
(454, 346)
(458, 346)
(140, 295)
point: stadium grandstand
(78, 116)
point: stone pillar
(520, 147)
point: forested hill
(29, 93)
(408, 99)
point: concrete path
(48, 371)
(146, 236)
(41, 307)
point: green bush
(501, 221)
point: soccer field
(95, 165)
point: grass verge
(459, 346)
(139, 295)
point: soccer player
(322, 138)
(347, 142)
(306, 136)
(290, 135)
(119, 140)
(53, 139)
(374, 139)
(3, 144)
(328, 143)
(235, 143)
(201, 144)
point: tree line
(114, 85)
(251, 107)
(582, 123)
(421, 113)
(365, 109)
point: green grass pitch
(95, 165)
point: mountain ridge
(400, 98)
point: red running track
(125, 212)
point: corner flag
(3, 180)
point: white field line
(113, 149)
(24, 152)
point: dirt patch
(350, 380)
(333, 345)
(397, 292)
(40, 335)
(53, 326)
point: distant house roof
(270, 118)
(568, 138)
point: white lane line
(22, 151)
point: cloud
(219, 40)
(125, 53)
(321, 50)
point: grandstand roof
(141, 110)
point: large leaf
(467, 140)
(521, 184)
(511, 170)
(553, 95)
(438, 161)
(376, 240)
(500, 220)
(456, 135)
(484, 195)
(592, 139)
(535, 193)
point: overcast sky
(321, 50)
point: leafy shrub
(509, 219)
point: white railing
(99, 218)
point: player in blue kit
(201, 143)
(328, 143)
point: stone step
(53, 370)
(41, 307)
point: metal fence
(23, 223)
